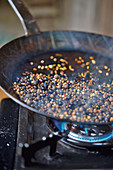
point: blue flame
(62, 126)
(86, 130)
(92, 139)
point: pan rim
(76, 31)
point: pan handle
(28, 22)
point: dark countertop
(8, 132)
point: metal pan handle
(29, 24)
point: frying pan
(35, 43)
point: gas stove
(30, 141)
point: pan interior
(69, 85)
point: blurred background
(83, 15)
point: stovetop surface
(18, 128)
(8, 133)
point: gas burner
(36, 147)
(82, 135)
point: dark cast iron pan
(16, 52)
